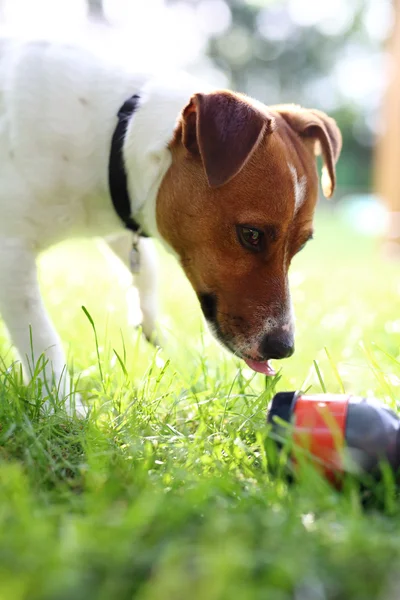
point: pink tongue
(260, 367)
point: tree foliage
(279, 52)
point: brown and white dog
(228, 184)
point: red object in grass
(319, 426)
(338, 432)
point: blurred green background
(328, 55)
(320, 54)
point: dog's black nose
(277, 345)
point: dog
(226, 183)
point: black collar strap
(117, 179)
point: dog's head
(237, 204)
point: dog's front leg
(145, 280)
(25, 316)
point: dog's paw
(153, 339)
(150, 334)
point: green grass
(164, 492)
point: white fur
(300, 187)
(289, 317)
(58, 109)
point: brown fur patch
(199, 220)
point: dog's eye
(251, 238)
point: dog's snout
(277, 345)
(208, 303)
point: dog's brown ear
(316, 125)
(224, 130)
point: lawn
(164, 491)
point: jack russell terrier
(227, 184)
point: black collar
(117, 179)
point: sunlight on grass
(164, 492)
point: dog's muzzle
(276, 344)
